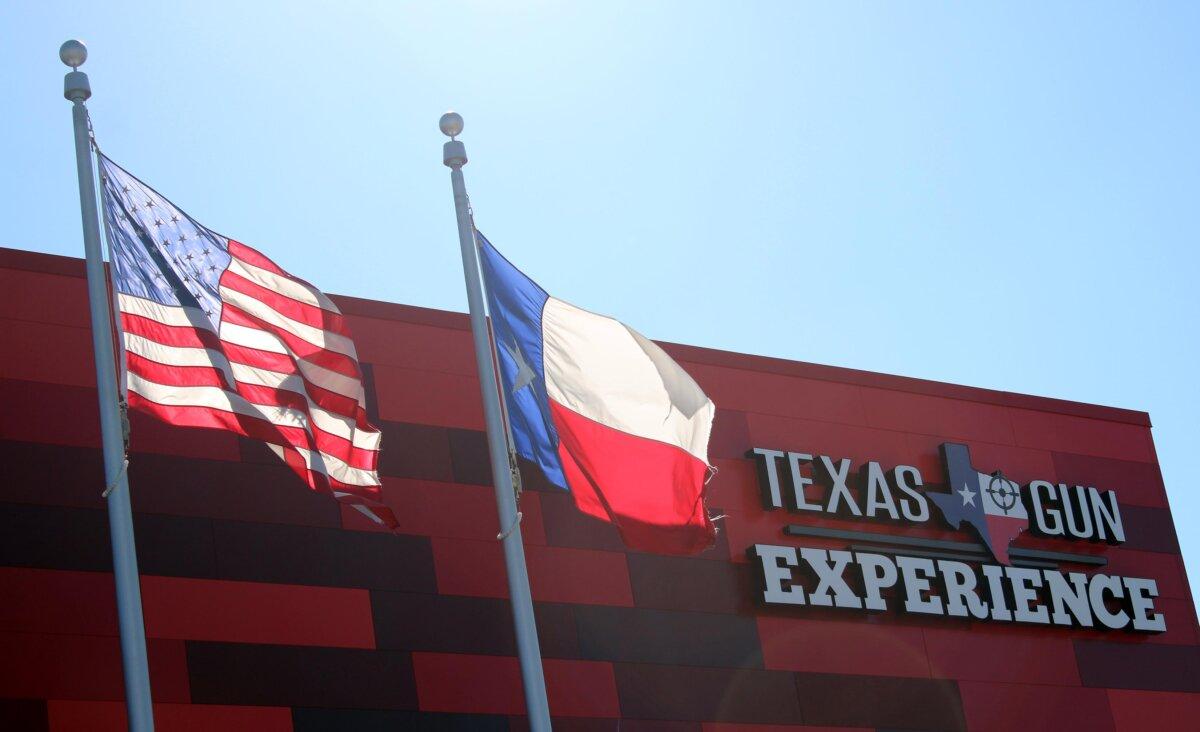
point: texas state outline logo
(989, 502)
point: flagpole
(454, 156)
(120, 516)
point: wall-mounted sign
(940, 577)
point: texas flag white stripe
(603, 370)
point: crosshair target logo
(1003, 492)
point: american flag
(216, 335)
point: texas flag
(603, 412)
(990, 503)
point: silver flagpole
(454, 155)
(120, 516)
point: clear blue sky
(1003, 196)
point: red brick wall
(268, 607)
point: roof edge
(20, 259)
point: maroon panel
(44, 298)
(415, 451)
(569, 724)
(102, 716)
(730, 436)
(556, 574)
(452, 510)
(955, 418)
(51, 601)
(649, 725)
(639, 635)
(1152, 667)
(227, 490)
(880, 701)
(150, 434)
(574, 688)
(405, 313)
(1080, 435)
(735, 486)
(1136, 483)
(43, 666)
(566, 525)
(305, 555)
(51, 474)
(1022, 464)
(51, 413)
(445, 623)
(980, 655)
(737, 727)
(390, 720)
(249, 612)
(1165, 569)
(844, 647)
(827, 438)
(1150, 529)
(469, 457)
(265, 675)
(1162, 711)
(47, 353)
(707, 694)
(23, 714)
(679, 583)
(756, 391)
(1034, 708)
(68, 415)
(412, 345)
(428, 397)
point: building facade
(894, 554)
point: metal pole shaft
(120, 515)
(528, 651)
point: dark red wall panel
(574, 688)
(844, 647)
(980, 655)
(99, 716)
(1162, 711)
(54, 666)
(255, 612)
(1037, 708)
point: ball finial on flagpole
(454, 153)
(451, 124)
(73, 53)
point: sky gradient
(999, 196)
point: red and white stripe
(281, 367)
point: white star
(967, 495)
(525, 374)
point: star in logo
(525, 374)
(968, 496)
